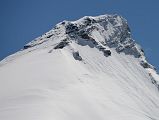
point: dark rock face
(77, 56)
(89, 21)
(107, 53)
(49, 36)
(154, 81)
(27, 46)
(145, 64)
(62, 44)
(101, 48)
(85, 36)
(71, 28)
(104, 50)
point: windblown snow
(89, 69)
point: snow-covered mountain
(89, 69)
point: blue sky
(23, 20)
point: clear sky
(23, 20)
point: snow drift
(89, 69)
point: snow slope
(89, 69)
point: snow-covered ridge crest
(104, 32)
(113, 29)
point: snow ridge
(113, 28)
(89, 69)
(103, 32)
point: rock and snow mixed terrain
(89, 69)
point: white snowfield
(90, 69)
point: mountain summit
(89, 69)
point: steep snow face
(89, 69)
